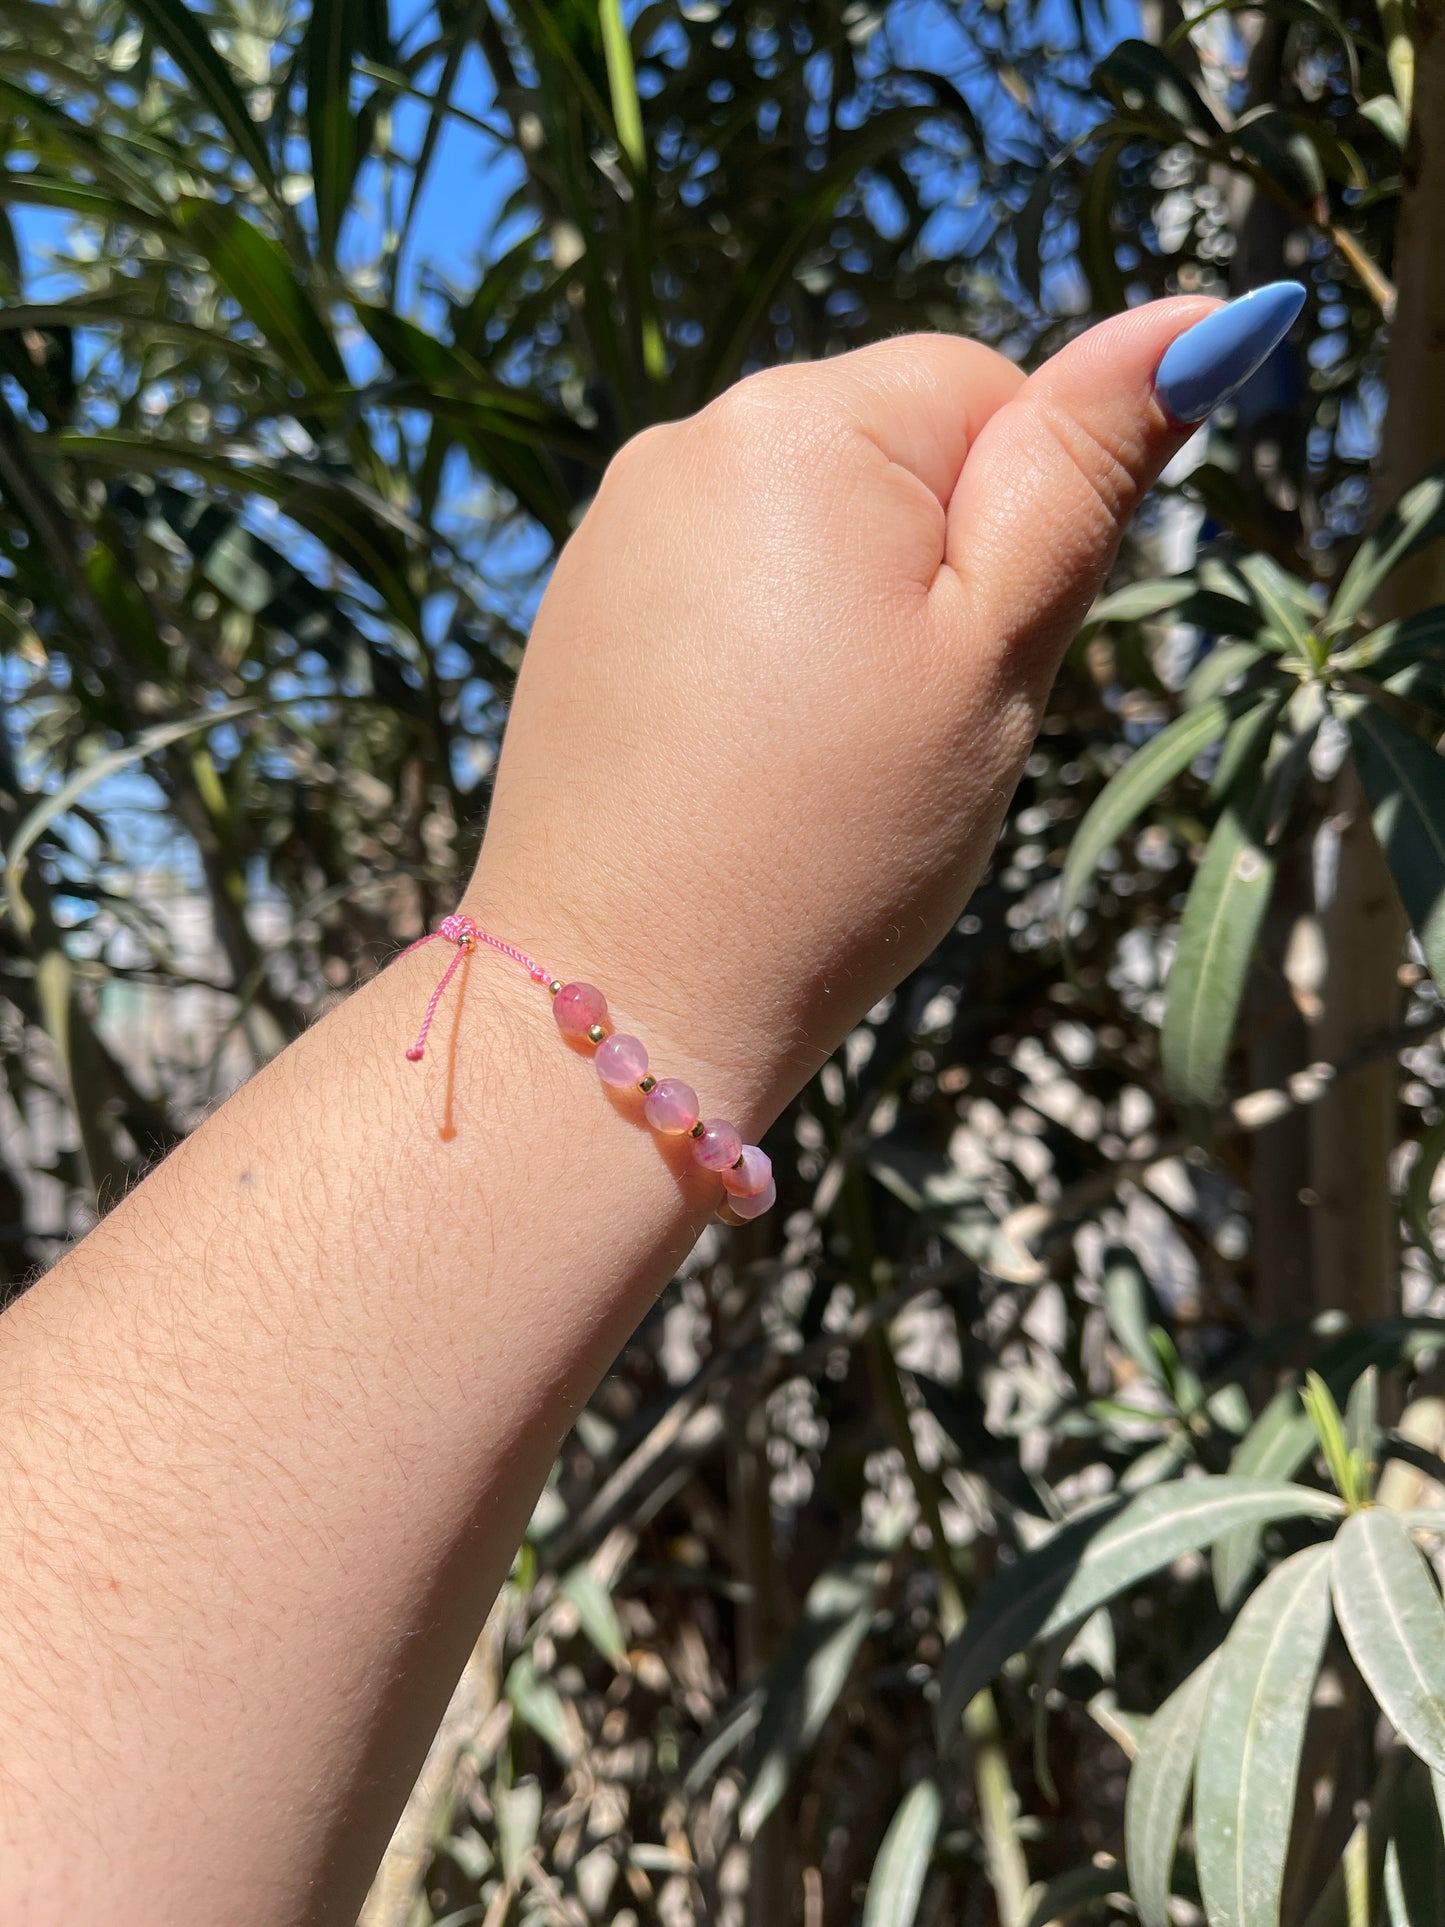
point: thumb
(1047, 489)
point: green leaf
(1099, 1554)
(1404, 780)
(62, 139)
(895, 1886)
(519, 1821)
(108, 311)
(1417, 518)
(1362, 1419)
(1221, 613)
(1394, 1625)
(41, 189)
(1399, 644)
(1158, 1788)
(1420, 1183)
(1286, 604)
(1249, 1748)
(1283, 1438)
(596, 1613)
(1427, 1518)
(260, 580)
(1027, 226)
(1422, 684)
(1069, 1892)
(1138, 601)
(1329, 1427)
(451, 384)
(1177, 599)
(158, 737)
(254, 271)
(1280, 147)
(1133, 1312)
(338, 31)
(1386, 113)
(1217, 936)
(242, 469)
(1219, 668)
(1142, 79)
(1230, 1409)
(622, 84)
(936, 1188)
(1252, 745)
(125, 608)
(1339, 158)
(1424, 1519)
(806, 1679)
(538, 1704)
(1135, 787)
(507, 432)
(420, 356)
(1276, 1446)
(1090, 1646)
(777, 245)
(1098, 244)
(180, 30)
(1414, 1871)
(733, 1730)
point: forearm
(276, 1428)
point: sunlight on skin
(277, 1425)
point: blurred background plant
(1082, 1406)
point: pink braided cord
(466, 935)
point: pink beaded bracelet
(669, 1105)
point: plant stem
(993, 1785)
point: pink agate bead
(754, 1207)
(671, 1106)
(752, 1175)
(719, 1145)
(577, 1007)
(621, 1060)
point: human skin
(275, 1428)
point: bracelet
(669, 1105)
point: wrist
(664, 983)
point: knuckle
(778, 416)
(760, 394)
(648, 448)
(1108, 467)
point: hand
(782, 684)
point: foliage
(1291, 660)
(899, 1530)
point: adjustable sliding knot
(669, 1105)
(466, 935)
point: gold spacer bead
(596, 1033)
(647, 1083)
(554, 986)
(697, 1129)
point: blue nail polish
(1215, 358)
